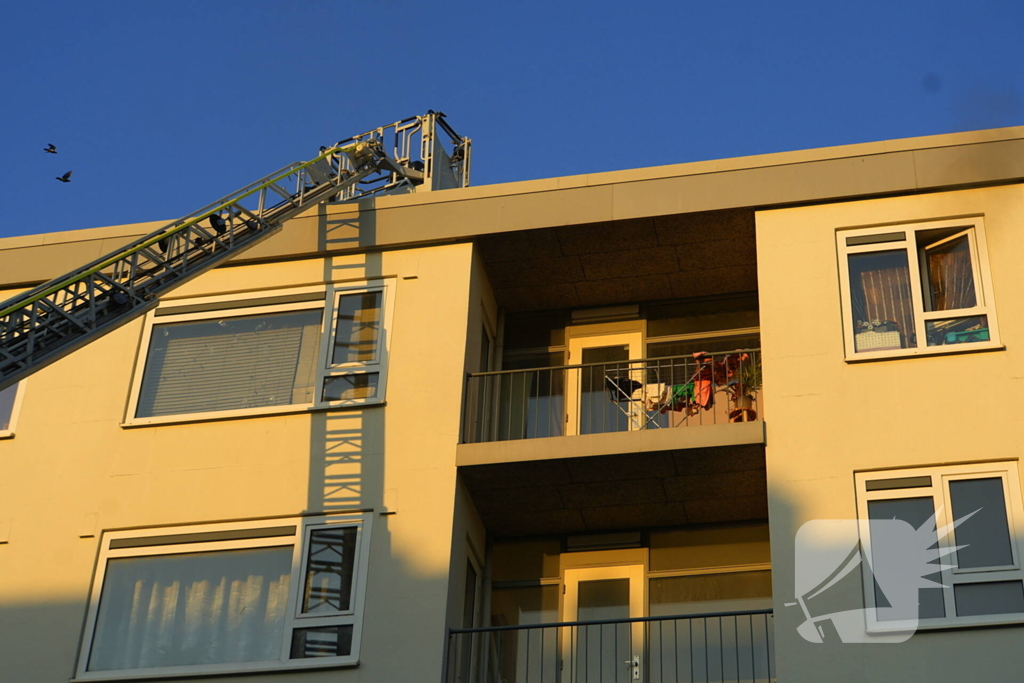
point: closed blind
(231, 363)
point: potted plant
(743, 387)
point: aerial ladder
(45, 324)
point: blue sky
(162, 107)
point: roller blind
(231, 363)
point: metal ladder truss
(45, 324)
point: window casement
(304, 349)
(984, 580)
(916, 289)
(264, 595)
(10, 406)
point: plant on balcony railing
(738, 375)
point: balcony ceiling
(601, 264)
(627, 491)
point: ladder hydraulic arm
(45, 324)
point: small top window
(920, 289)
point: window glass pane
(329, 567)
(950, 275)
(531, 404)
(957, 330)
(324, 641)
(358, 328)
(883, 311)
(7, 406)
(689, 347)
(231, 363)
(195, 608)
(690, 317)
(605, 390)
(998, 597)
(351, 387)
(986, 534)
(732, 591)
(603, 599)
(525, 655)
(929, 603)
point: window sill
(270, 411)
(6, 434)
(987, 621)
(165, 673)
(925, 352)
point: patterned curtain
(951, 276)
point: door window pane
(231, 363)
(602, 649)
(357, 329)
(195, 608)
(883, 312)
(986, 534)
(998, 597)
(605, 390)
(928, 602)
(329, 568)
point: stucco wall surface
(831, 418)
(72, 471)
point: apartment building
(572, 430)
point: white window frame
(975, 228)
(324, 370)
(938, 491)
(12, 423)
(294, 618)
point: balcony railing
(596, 398)
(699, 648)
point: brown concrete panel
(726, 509)
(512, 523)
(635, 516)
(560, 270)
(538, 298)
(601, 493)
(519, 246)
(621, 468)
(719, 485)
(630, 263)
(725, 459)
(735, 224)
(968, 164)
(607, 237)
(624, 290)
(523, 499)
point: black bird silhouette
(66, 178)
(50, 148)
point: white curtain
(196, 608)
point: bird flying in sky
(66, 178)
(51, 148)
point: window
(208, 599)
(985, 583)
(10, 403)
(916, 289)
(226, 356)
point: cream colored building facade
(396, 439)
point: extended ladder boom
(45, 324)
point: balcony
(696, 400)
(696, 648)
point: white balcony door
(606, 653)
(592, 406)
